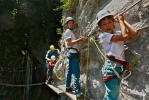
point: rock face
(136, 87)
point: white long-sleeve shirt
(68, 34)
(112, 48)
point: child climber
(113, 45)
(51, 64)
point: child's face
(107, 25)
(71, 24)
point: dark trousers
(50, 74)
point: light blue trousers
(112, 86)
(73, 69)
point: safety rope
(21, 69)
(21, 85)
(141, 26)
(130, 7)
(88, 54)
(92, 31)
(99, 50)
(28, 77)
(63, 57)
(103, 56)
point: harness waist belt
(74, 49)
(125, 68)
(112, 58)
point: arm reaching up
(125, 33)
(133, 31)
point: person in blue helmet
(113, 45)
(71, 44)
(51, 58)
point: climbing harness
(74, 49)
(125, 66)
(126, 72)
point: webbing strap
(109, 77)
(124, 63)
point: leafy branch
(66, 5)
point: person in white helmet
(71, 43)
(113, 45)
(51, 65)
(51, 58)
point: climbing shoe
(51, 82)
(69, 89)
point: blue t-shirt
(51, 53)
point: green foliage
(26, 25)
(18, 1)
(14, 12)
(59, 31)
(66, 5)
(36, 18)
